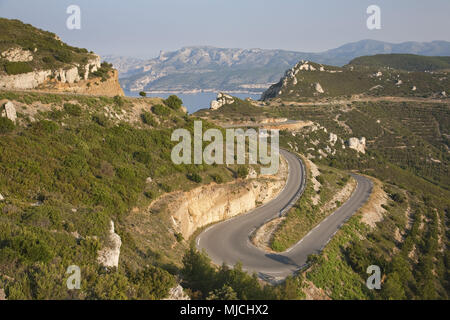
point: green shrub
(13, 68)
(102, 72)
(147, 118)
(64, 56)
(46, 126)
(217, 178)
(179, 237)
(101, 119)
(160, 110)
(142, 94)
(73, 109)
(173, 102)
(119, 101)
(6, 125)
(242, 172)
(194, 177)
(142, 157)
(47, 60)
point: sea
(195, 101)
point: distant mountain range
(202, 68)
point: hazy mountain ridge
(203, 68)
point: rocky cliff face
(31, 80)
(94, 86)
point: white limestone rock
(9, 111)
(17, 55)
(68, 76)
(109, 256)
(221, 100)
(177, 293)
(333, 138)
(1, 197)
(357, 144)
(319, 88)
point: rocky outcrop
(221, 100)
(357, 144)
(109, 255)
(290, 77)
(17, 55)
(9, 111)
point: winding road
(229, 241)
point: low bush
(13, 68)
(6, 125)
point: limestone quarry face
(109, 255)
(357, 144)
(221, 100)
(9, 111)
(17, 55)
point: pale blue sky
(144, 27)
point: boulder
(9, 111)
(1, 197)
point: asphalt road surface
(229, 241)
